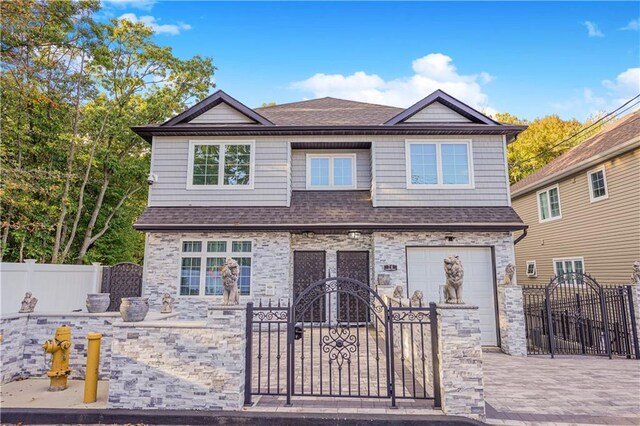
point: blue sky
(528, 59)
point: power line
(615, 113)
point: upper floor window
(597, 185)
(446, 164)
(549, 204)
(331, 171)
(532, 270)
(220, 164)
(569, 270)
(200, 266)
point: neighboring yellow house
(583, 209)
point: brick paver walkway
(564, 390)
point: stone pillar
(635, 300)
(460, 359)
(513, 338)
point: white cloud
(130, 4)
(590, 101)
(150, 21)
(592, 29)
(431, 72)
(633, 25)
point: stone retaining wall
(185, 365)
(13, 330)
(513, 339)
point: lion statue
(508, 274)
(417, 298)
(398, 292)
(28, 303)
(230, 272)
(635, 276)
(454, 274)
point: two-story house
(583, 209)
(323, 188)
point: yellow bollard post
(91, 373)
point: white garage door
(426, 272)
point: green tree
(74, 174)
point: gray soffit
(450, 102)
(211, 101)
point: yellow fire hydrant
(59, 348)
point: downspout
(521, 237)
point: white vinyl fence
(58, 288)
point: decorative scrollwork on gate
(339, 344)
(411, 315)
(271, 315)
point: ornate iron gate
(575, 315)
(356, 346)
(121, 280)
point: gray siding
(170, 158)
(222, 114)
(489, 172)
(437, 113)
(299, 166)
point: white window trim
(331, 186)
(564, 259)
(438, 143)
(551, 218)
(223, 144)
(203, 265)
(593, 199)
(535, 269)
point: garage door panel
(425, 266)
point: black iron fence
(340, 339)
(574, 315)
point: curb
(164, 417)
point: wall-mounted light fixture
(354, 235)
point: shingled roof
(328, 112)
(608, 142)
(329, 211)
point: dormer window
(331, 171)
(444, 164)
(220, 164)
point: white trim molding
(439, 174)
(222, 144)
(550, 218)
(590, 182)
(332, 157)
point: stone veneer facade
(180, 365)
(460, 359)
(24, 334)
(513, 339)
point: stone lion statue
(230, 272)
(167, 304)
(508, 274)
(635, 276)
(417, 298)
(28, 303)
(398, 293)
(454, 274)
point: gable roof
(446, 100)
(212, 101)
(328, 112)
(328, 116)
(620, 137)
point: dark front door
(308, 268)
(354, 265)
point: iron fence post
(552, 343)
(605, 322)
(248, 355)
(625, 323)
(632, 317)
(291, 325)
(435, 360)
(390, 358)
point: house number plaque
(389, 268)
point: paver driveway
(570, 390)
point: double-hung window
(549, 204)
(200, 266)
(331, 171)
(597, 185)
(445, 164)
(220, 164)
(569, 270)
